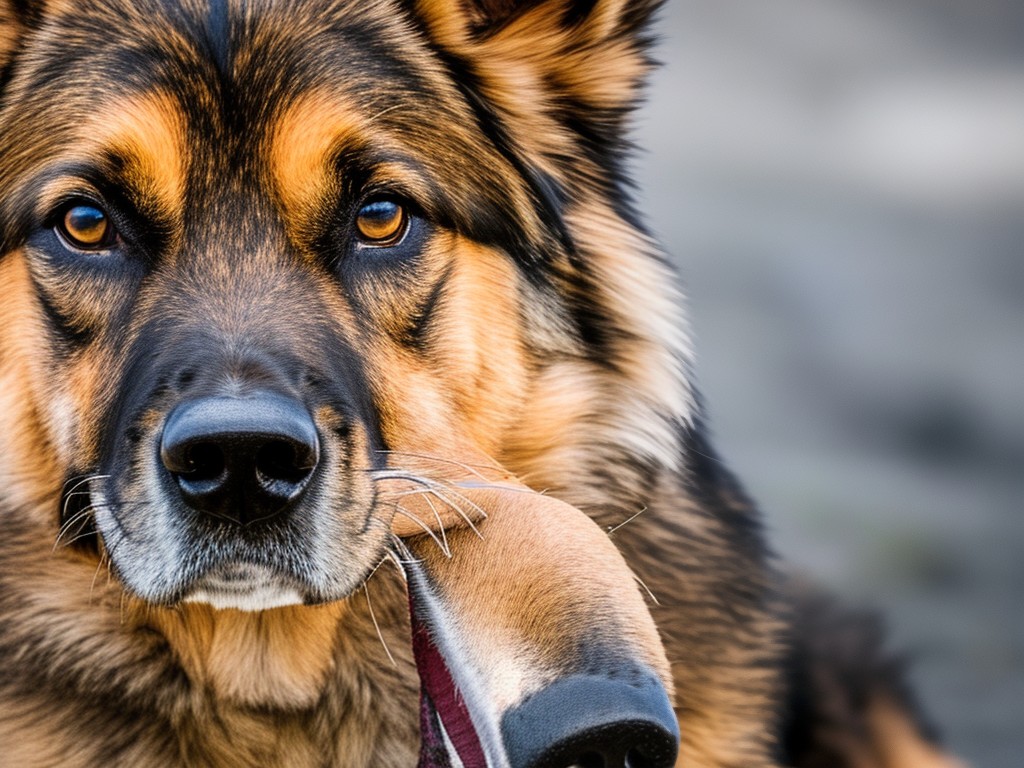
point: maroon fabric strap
(441, 700)
(433, 752)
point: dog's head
(260, 259)
(265, 250)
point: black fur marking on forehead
(218, 37)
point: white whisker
(81, 518)
(374, 117)
(433, 491)
(495, 487)
(461, 497)
(373, 616)
(398, 551)
(426, 528)
(473, 469)
(440, 525)
(73, 489)
(629, 519)
(646, 589)
(83, 481)
(434, 487)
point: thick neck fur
(288, 687)
(275, 659)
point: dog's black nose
(593, 722)
(240, 458)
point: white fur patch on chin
(244, 588)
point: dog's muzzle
(578, 721)
(534, 648)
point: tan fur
(306, 136)
(146, 133)
(561, 584)
(28, 469)
(899, 742)
(278, 657)
(10, 31)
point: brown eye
(86, 227)
(381, 222)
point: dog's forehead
(229, 67)
(267, 97)
(233, 63)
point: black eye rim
(111, 236)
(407, 214)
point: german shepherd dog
(342, 393)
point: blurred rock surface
(842, 184)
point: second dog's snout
(240, 458)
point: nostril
(635, 760)
(204, 461)
(610, 754)
(281, 461)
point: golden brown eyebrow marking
(304, 137)
(147, 132)
(310, 136)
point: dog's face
(258, 254)
(289, 248)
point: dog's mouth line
(244, 587)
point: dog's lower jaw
(296, 686)
(278, 659)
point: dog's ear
(599, 19)
(584, 60)
(15, 15)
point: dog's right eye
(86, 227)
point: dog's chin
(244, 587)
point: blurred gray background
(842, 185)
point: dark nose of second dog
(240, 458)
(593, 722)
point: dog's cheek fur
(578, 67)
(57, 345)
(459, 390)
(28, 456)
(48, 421)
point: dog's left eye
(86, 227)
(381, 222)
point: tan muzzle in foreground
(532, 640)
